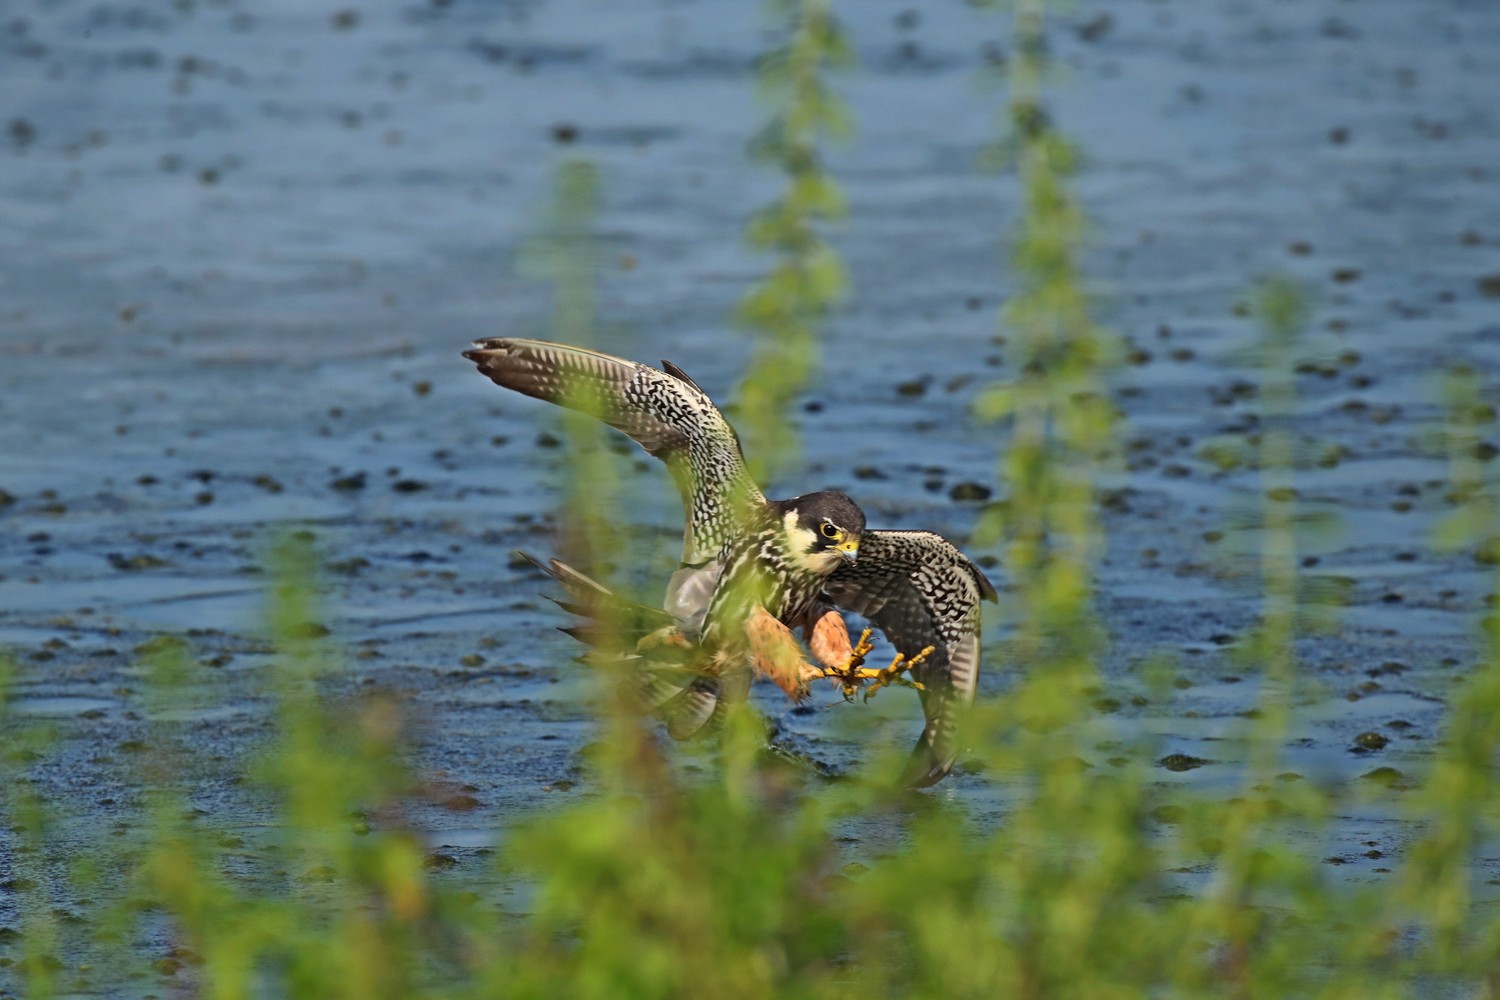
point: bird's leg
(849, 674)
(853, 675)
(851, 661)
(892, 674)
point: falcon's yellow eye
(829, 531)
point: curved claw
(892, 674)
(854, 675)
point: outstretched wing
(664, 412)
(921, 591)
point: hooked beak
(849, 550)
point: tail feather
(937, 748)
(687, 700)
(614, 622)
(692, 711)
(929, 763)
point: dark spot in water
(349, 483)
(267, 483)
(564, 132)
(1338, 135)
(915, 387)
(968, 492)
(868, 472)
(22, 133)
(1169, 814)
(421, 388)
(1337, 27)
(135, 562)
(1181, 762)
(1371, 741)
(461, 802)
(409, 486)
(1489, 286)
(350, 566)
(1096, 27)
(1388, 777)
(345, 20)
(1346, 275)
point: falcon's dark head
(823, 530)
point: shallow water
(245, 245)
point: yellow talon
(892, 674)
(853, 675)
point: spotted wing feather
(921, 591)
(663, 411)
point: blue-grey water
(244, 243)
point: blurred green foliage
(784, 309)
(1097, 882)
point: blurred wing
(689, 591)
(921, 591)
(663, 411)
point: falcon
(753, 570)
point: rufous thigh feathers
(776, 653)
(829, 640)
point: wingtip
(528, 557)
(478, 349)
(987, 591)
(680, 375)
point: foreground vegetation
(1098, 882)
